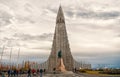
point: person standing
(29, 73)
(14, 72)
(9, 73)
(75, 69)
(38, 72)
(17, 72)
(54, 70)
(41, 71)
(44, 71)
(3, 75)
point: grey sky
(93, 27)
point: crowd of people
(29, 72)
(34, 72)
(12, 73)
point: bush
(111, 71)
(83, 71)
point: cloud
(43, 47)
(1, 50)
(98, 58)
(5, 17)
(118, 35)
(43, 37)
(97, 53)
(12, 42)
(25, 40)
(70, 14)
(99, 15)
(28, 14)
(87, 13)
(53, 10)
(22, 19)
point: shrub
(83, 71)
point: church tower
(60, 43)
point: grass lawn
(97, 73)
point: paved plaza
(65, 75)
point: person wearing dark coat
(14, 72)
(41, 71)
(44, 71)
(9, 73)
(37, 71)
(29, 73)
(54, 70)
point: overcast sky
(93, 28)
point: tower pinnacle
(60, 16)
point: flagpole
(2, 56)
(10, 57)
(18, 58)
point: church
(61, 43)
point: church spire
(60, 16)
(60, 43)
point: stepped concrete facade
(61, 43)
